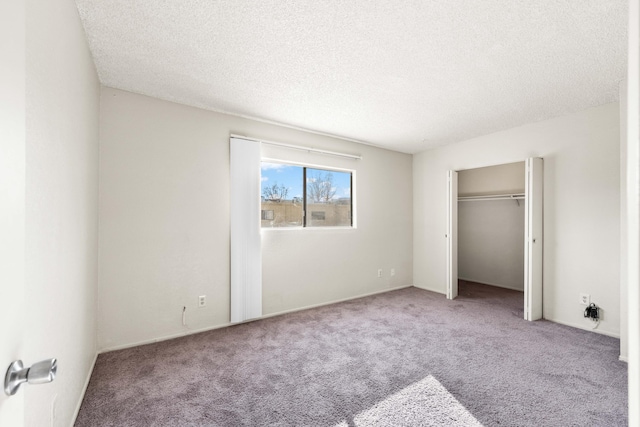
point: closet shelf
(516, 196)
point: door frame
(533, 237)
(452, 234)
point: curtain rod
(301, 148)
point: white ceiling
(405, 75)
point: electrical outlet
(393, 272)
(202, 300)
(585, 299)
(379, 273)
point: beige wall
(62, 97)
(581, 208)
(286, 213)
(164, 222)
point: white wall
(498, 179)
(164, 222)
(62, 96)
(581, 208)
(491, 243)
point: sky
(291, 177)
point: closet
(491, 225)
(494, 230)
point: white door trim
(452, 234)
(533, 237)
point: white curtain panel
(246, 259)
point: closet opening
(494, 235)
(491, 233)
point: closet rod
(518, 196)
(301, 148)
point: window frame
(304, 167)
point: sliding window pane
(281, 187)
(328, 198)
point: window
(298, 196)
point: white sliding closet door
(452, 234)
(533, 239)
(246, 256)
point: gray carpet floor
(404, 358)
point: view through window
(298, 196)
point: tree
(275, 193)
(320, 188)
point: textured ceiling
(405, 75)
